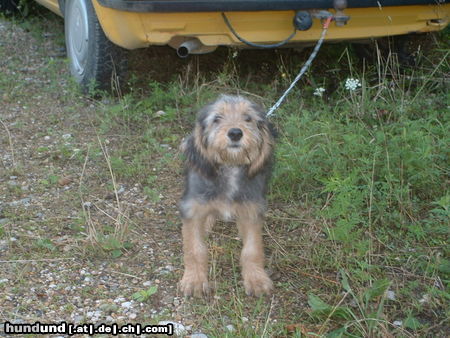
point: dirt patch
(49, 273)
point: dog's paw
(257, 283)
(194, 285)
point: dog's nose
(235, 134)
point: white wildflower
(352, 84)
(319, 91)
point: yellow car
(98, 32)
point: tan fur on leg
(256, 280)
(195, 278)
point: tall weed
(366, 161)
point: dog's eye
(248, 118)
(217, 119)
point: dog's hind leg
(256, 280)
(195, 277)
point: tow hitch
(303, 19)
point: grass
(357, 229)
(371, 167)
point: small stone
(66, 136)
(47, 138)
(64, 181)
(230, 328)
(126, 305)
(397, 323)
(24, 201)
(425, 299)
(3, 244)
(178, 328)
(199, 335)
(108, 308)
(390, 295)
(147, 283)
(132, 316)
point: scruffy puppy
(228, 161)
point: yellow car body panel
(133, 30)
(51, 4)
(143, 29)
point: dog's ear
(195, 159)
(263, 122)
(265, 149)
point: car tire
(9, 6)
(95, 62)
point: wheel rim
(77, 36)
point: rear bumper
(189, 6)
(133, 30)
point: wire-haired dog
(228, 163)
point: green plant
(113, 245)
(144, 295)
(45, 243)
(365, 320)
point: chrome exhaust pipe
(189, 47)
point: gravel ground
(48, 271)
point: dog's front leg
(256, 280)
(195, 277)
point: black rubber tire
(105, 64)
(9, 6)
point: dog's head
(230, 131)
